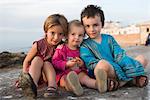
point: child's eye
(95, 24)
(61, 33)
(87, 26)
(52, 33)
(73, 34)
(80, 35)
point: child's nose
(91, 28)
(76, 36)
(56, 37)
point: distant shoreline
(25, 50)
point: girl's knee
(38, 58)
(48, 67)
(36, 63)
(47, 63)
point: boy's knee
(142, 60)
(103, 64)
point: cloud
(32, 13)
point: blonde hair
(74, 23)
(56, 19)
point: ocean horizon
(18, 42)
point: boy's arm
(88, 57)
(117, 51)
(58, 60)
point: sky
(17, 15)
(21, 17)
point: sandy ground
(9, 92)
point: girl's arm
(58, 60)
(32, 52)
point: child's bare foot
(112, 85)
(141, 81)
(101, 80)
(74, 84)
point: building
(144, 30)
(111, 28)
(135, 34)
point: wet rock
(8, 59)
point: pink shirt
(61, 56)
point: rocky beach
(10, 68)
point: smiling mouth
(76, 41)
(55, 41)
(92, 33)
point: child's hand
(25, 71)
(79, 62)
(71, 63)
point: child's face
(92, 26)
(54, 35)
(75, 36)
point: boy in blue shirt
(105, 60)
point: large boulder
(8, 59)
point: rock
(8, 59)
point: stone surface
(9, 75)
(8, 59)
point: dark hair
(91, 11)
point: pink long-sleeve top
(61, 56)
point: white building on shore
(115, 28)
(137, 32)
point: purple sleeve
(58, 59)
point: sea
(18, 42)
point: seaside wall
(128, 39)
(131, 35)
